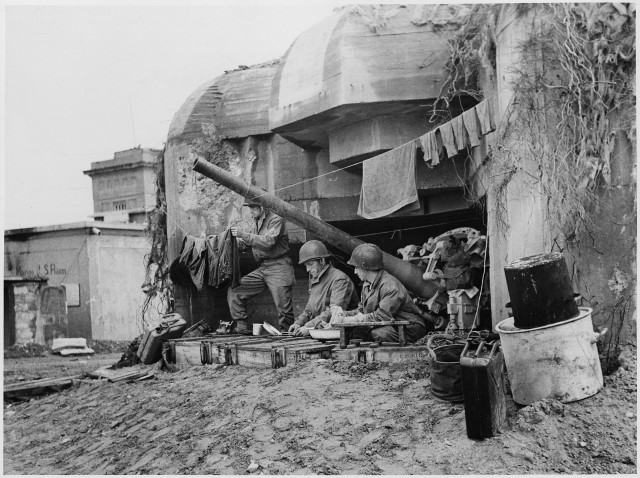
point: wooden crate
(388, 354)
(274, 353)
(188, 352)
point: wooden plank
(381, 354)
(62, 343)
(128, 376)
(187, 354)
(37, 387)
(280, 353)
(75, 351)
(109, 373)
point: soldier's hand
(302, 332)
(234, 231)
(293, 328)
(359, 317)
(338, 319)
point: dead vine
(157, 285)
(573, 98)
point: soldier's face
(314, 267)
(255, 211)
(360, 273)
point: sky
(82, 81)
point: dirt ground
(317, 417)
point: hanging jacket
(223, 259)
(214, 261)
(193, 254)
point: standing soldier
(383, 299)
(328, 287)
(269, 244)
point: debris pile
(25, 350)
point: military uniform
(331, 287)
(386, 299)
(269, 244)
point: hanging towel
(436, 144)
(448, 140)
(459, 132)
(425, 144)
(470, 119)
(485, 115)
(389, 182)
(430, 149)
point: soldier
(269, 244)
(328, 287)
(383, 298)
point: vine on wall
(157, 285)
(573, 103)
(573, 96)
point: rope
(484, 273)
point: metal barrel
(410, 275)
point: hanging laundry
(470, 119)
(224, 260)
(436, 145)
(459, 132)
(448, 139)
(193, 254)
(485, 115)
(425, 144)
(389, 182)
(430, 148)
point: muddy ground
(317, 417)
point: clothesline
(367, 159)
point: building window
(120, 205)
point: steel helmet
(367, 257)
(312, 250)
(251, 202)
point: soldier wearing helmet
(269, 243)
(328, 287)
(383, 299)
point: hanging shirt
(223, 260)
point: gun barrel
(410, 275)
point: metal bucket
(553, 361)
(445, 375)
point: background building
(84, 279)
(124, 187)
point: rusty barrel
(540, 290)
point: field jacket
(331, 287)
(268, 238)
(386, 299)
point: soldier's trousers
(273, 274)
(389, 333)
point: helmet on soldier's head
(312, 250)
(367, 257)
(251, 203)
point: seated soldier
(383, 299)
(328, 287)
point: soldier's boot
(241, 327)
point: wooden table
(346, 330)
